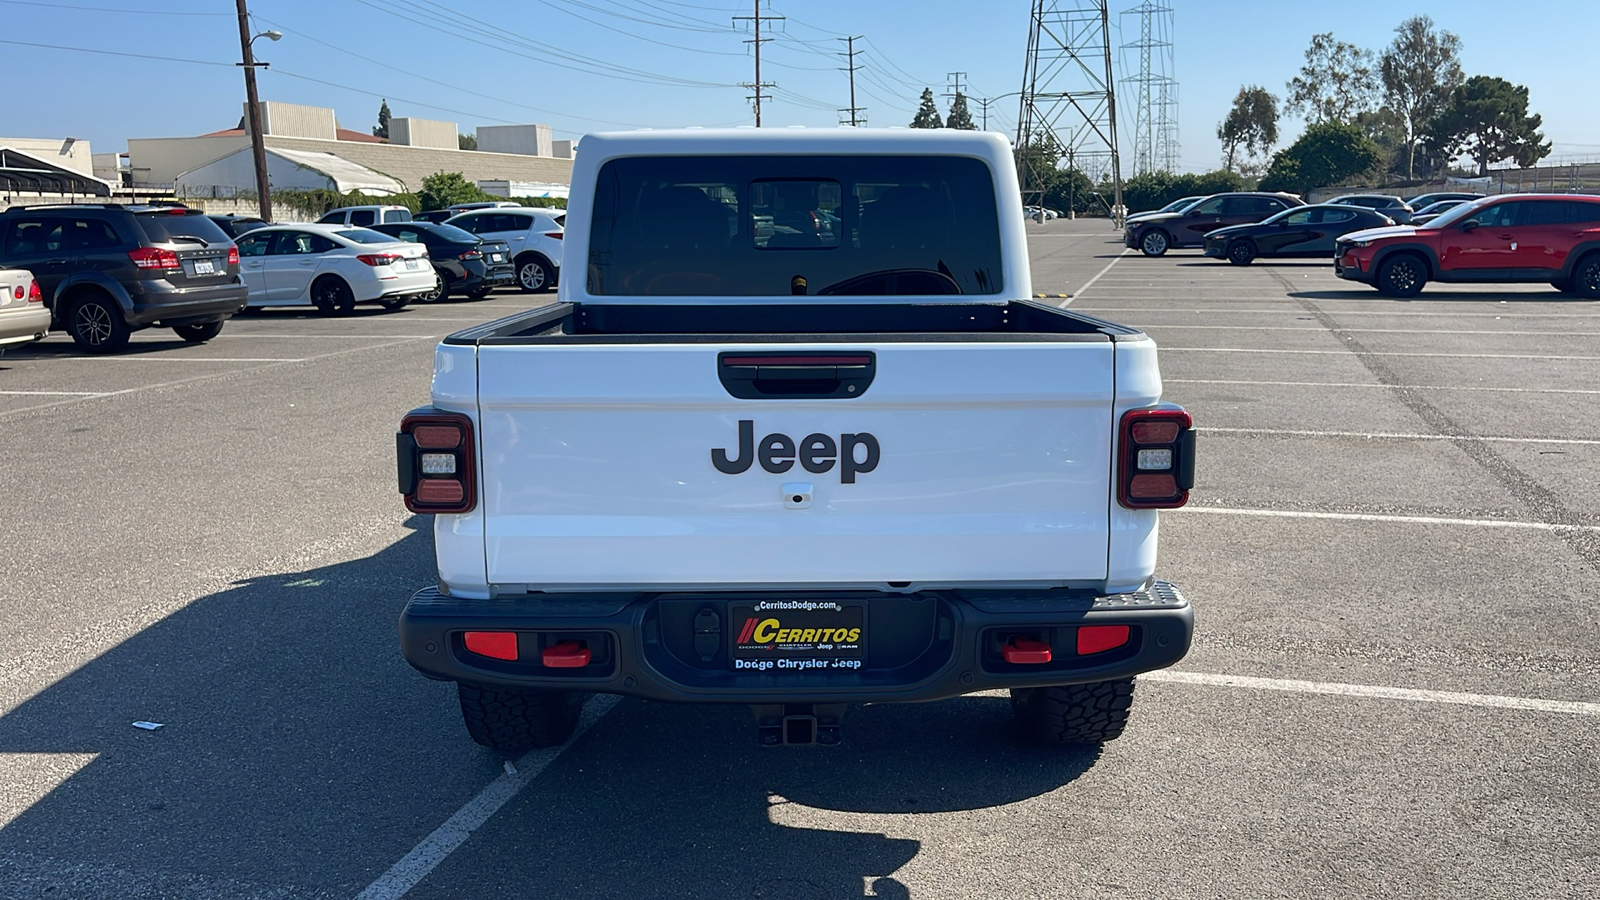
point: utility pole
(983, 104)
(850, 56)
(759, 85)
(258, 144)
(955, 87)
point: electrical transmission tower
(1069, 102)
(758, 85)
(1150, 92)
(856, 117)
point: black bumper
(1351, 273)
(924, 646)
(1216, 250)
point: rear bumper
(185, 306)
(925, 646)
(29, 323)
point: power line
(856, 118)
(758, 85)
(176, 59)
(112, 9)
(637, 37)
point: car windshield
(772, 226)
(366, 236)
(452, 233)
(1453, 214)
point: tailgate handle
(771, 376)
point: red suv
(1552, 238)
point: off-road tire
(95, 322)
(1075, 713)
(513, 721)
(332, 297)
(1155, 242)
(1586, 277)
(1402, 275)
(1242, 252)
(198, 334)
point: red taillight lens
(233, 255)
(1155, 459)
(35, 295)
(493, 644)
(554, 234)
(436, 463)
(18, 292)
(471, 254)
(154, 258)
(379, 259)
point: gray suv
(107, 271)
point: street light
(258, 144)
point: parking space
(1394, 689)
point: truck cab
(796, 436)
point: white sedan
(331, 267)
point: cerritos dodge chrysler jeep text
(795, 437)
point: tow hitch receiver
(797, 724)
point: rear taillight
(435, 459)
(233, 254)
(154, 258)
(1155, 465)
(18, 292)
(554, 234)
(35, 294)
(471, 254)
(379, 259)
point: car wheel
(198, 334)
(513, 720)
(439, 291)
(1242, 252)
(533, 274)
(1586, 277)
(395, 304)
(1154, 243)
(1075, 713)
(97, 326)
(479, 293)
(332, 296)
(1402, 276)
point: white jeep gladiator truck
(797, 438)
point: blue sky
(587, 65)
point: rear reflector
(1152, 487)
(18, 292)
(558, 235)
(565, 655)
(1023, 652)
(493, 644)
(440, 491)
(1100, 638)
(437, 437)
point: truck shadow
(300, 757)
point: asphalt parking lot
(1394, 690)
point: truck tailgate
(597, 468)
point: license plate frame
(818, 636)
(203, 267)
(413, 264)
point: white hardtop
(994, 149)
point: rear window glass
(165, 228)
(783, 225)
(367, 236)
(452, 233)
(396, 215)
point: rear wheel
(439, 291)
(534, 274)
(479, 293)
(1402, 276)
(198, 334)
(1586, 277)
(395, 303)
(332, 296)
(512, 720)
(1075, 713)
(1154, 243)
(97, 325)
(1242, 252)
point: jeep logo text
(816, 453)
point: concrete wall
(563, 149)
(74, 155)
(424, 133)
(524, 140)
(295, 120)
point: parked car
(1552, 238)
(1156, 234)
(1428, 213)
(23, 315)
(484, 204)
(462, 262)
(1421, 200)
(365, 215)
(1177, 205)
(1391, 206)
(235, 225)
(533, 236)
(332, 267)
(433, 215)
(1302, 231)
(107, 270)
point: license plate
(204, 267)
(413, 264)
(496, 257)
(792, 636)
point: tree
(467, 141)
(1335, 84)
(382, 128)
(1251, 124)
(1487, 119)
(441, 189)
(1420, 70)
(927, 113)
(1385, 128)
(1325, 155)
(959, 116)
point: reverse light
(438, 463)
(434, 457)
(154, 258)
(1155, 462)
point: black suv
(107, 270)
(462, 262)
(1155, 234)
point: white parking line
(1378, 353)
(1375, 692)
(1090, 283)
(1375, 517)
(427, 855)
(1374, 384)
(209, 359)
(1254, 311)
(1393, 435)
(53, 393)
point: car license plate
(790, 636)
(205, 267)
(413, 264)
(497, 257)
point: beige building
(419, 148)
(45, 170)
